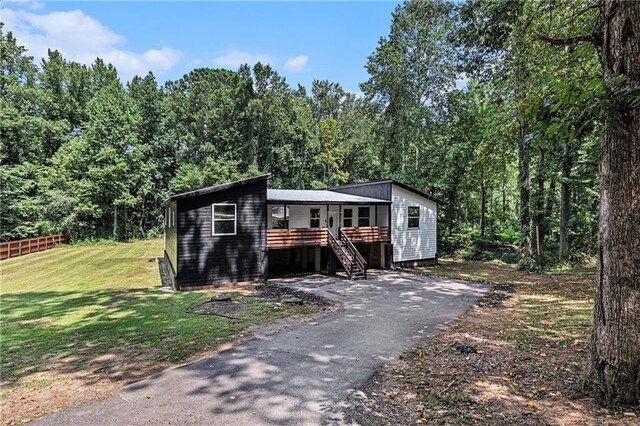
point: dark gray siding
(207, 259)
(379, 190)
(171, 238)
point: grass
(554, 308)
(98, 311)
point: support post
(326, 221)
(286, 221)
(318, 257)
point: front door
(332, 224)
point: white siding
(299, 215)
(412, 243)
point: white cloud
(81, 38)
(29, 4)
(296, 63)
(234, 58)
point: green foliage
(213, 172)
(476, 253)
(507, 236)
(84, 155)
(510, 258)
(449, 92)
(529, 264)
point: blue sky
(302, 40)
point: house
(242, 231)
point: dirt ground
(518, 357)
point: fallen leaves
(526, 370)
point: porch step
(347, 258)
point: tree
(410, 74)
(615, 358)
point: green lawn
(75, 309)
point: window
(414, 217)
(314, 221)
(363, 216)
(224, 219)
(279, 217)
(169, 217)
(348, 218)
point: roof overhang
(393, 182)
(216, 188)
(319, 197)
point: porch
(324, 230)
(278, 238)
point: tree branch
(586, 163)
(566, 41)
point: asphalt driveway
(301, 375)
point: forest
(524, 117)
(471, 102)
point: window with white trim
(414, 217)
(223, 217)
(363, 216)
(169, 217)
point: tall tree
(410, 74)
(615, 357)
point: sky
(303, 41)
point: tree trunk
(115, 222)
(540, 231)
(126, 224)
(141, 222)
(565, 201)
(550, 203)
(525, 187)
(483, 206)
(615, 342)
(504, 196)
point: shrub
(528, 264)
(508, 236)
(511, 258)
(476, 253)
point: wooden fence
(9, 249)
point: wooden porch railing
(294, 237)
(340, 254)
(353, 251)
(368, 234)
(9, 249)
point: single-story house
(242, 231)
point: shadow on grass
(107, 333)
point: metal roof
(393, 182)
(216, 188)
(319, 196)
